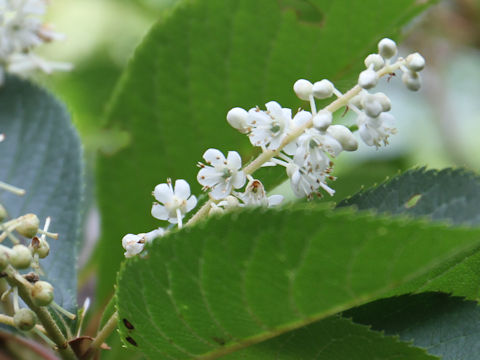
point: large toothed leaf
(42, 154)
(333, 338)
(446, 326)
(251, 276)
(204, 58)
(451, 196)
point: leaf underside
(42, 154)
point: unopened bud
(20, 257)
(415, 62)
(368, 79)
(42, 293)
(387, 48)
(412, 80)
(322, 119)
(322, 89)
(237, 118)
(28, 226)
(384, 100)
(344, 136)
(3, 213)
(371, 105)
(4, 257)
(374, 60)
(303, 89)
(25, 319)
(40, 247)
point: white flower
(223, 175)
(134, 244)
(254, 195)
(313, 146)
(306, 182)
(175, 202)
(374, 131)
(269, 128)
(21, 30)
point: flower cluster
(305, 143)
(21, 31)
(21, 257)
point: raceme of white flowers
(305, 143)
(21, 31)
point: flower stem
(44, 316)
(102, 335)
(267, 155)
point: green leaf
(448, 327)
(250, 276)
(42, 154)
(333, 338)
(203, 59)
(448, 195)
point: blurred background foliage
(438, 126)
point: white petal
(287, 113)
(238, 180)
(234, 160)
(274, 200)
(159, 212)
(213, 156)
(290, 148)
(274, 108)
(191, 203)
(163, 193)
(208, 176)
(182, 189)
(301, 118)
(221, 191)
(130, 239)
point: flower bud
(25, 319)
(237, 118)
(231, 202)
(387, 48)
(412, 80)
(371, 105)
(384, 100)
(322, 89)
(322, 119)
(20, 257)
(40, 247)
(3, 213)
(43, 250)
(42, 293)
(374, 60)
(303, 89)
(368, 79)
(4, 257)
(344, 136)
(28, 226)
(415, 62)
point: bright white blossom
(21, 31)
(134, 244)
(174, 202)
(305, 144)
(375, 131)
(222, 175)
(255, 195)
